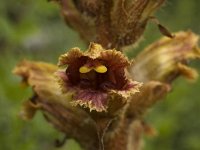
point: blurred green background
(35, 30)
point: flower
(95, 76)
(166, 59)
(113, 24)
(158, 65)
(54, 105)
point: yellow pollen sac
(84, 69)
(100, 69)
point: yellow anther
(100, 69)
(84, 69)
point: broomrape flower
(95, 76)
(113, 23)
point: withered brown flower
(113, 23)
(167, 58)
(95, 76)
(158, 65)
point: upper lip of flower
(97, 72)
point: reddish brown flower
(95, 76)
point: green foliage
(34, 30)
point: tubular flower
(95, 76)
(113, 23)
(159, 65)
(166, 59)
